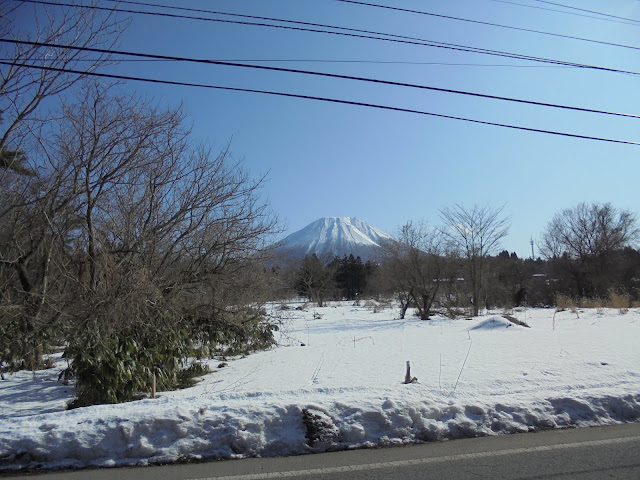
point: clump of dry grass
(379, 304)
(374, 306)
(595, 302)
(563, 302)
(455, 312)
(620, 301)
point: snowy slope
(335, 236)
(483, 376)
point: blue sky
(389, 167)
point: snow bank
(166, 430)
(344, 389)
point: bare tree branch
(22, 89)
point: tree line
(588, 253)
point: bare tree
(583, 240)
(315, 279)
(137, 241)
(588, 231)
(119, 238)
(32, 70)
(28, 242)
(145, 196)
(476, 233)
(411, 267)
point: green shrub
(236, 332)
(121, 366)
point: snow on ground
(337, 382)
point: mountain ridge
(328, 237)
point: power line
(315, 73)
(200, 10)
(588, 11)
(480, 22)
(318, 60)
(357, 32)
(325, 99)
(625, 22)
(396, 38)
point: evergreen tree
(351, 277)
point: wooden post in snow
(408, 378)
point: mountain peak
(329, 237)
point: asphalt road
(585, 453)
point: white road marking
(424, 461)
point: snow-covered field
(342, 375)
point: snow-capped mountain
(334, 236)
